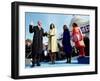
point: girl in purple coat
(67, 48)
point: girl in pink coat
(78, 39)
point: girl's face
(64, 28)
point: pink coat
(77, 37)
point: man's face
(39, 23)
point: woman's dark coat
(66, 42)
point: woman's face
(51, 27)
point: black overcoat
(37, 45)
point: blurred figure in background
(87, 44)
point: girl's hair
(65, 28)
(74, 25)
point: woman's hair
(52, 26)
(74, 25)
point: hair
(65, 28)
(74, 25)
(52, 25)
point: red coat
(77, 37)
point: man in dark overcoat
(37, 45)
